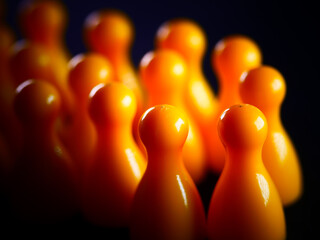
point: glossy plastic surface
(118, 163)
(265, 88)
(245, 203)
(167, 204)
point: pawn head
(30, 61)
(43, 21)
(163, 127)
(183, 36)
(233, 55)
(242, 126)
(108, 31)
(87, 71)
(112, 104)
(263, 87)
(37, 102)
(163, 71)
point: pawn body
(164, 75)
(44, 180)
(167, 204)
(245, 203)
(118, 163)
(230, 58)
(265, 87)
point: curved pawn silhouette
(245, 203)
(10, 128)
(111, 32)
(265, 88)
(230, 57)
(44, 23)
(167, 204)
(188, 39)
(35, 62)
(118, 163)
(44, 180)
(164, 74)
(85, 72)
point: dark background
(287, 33)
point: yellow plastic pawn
(164, 75)
(110, 32)
(118, 163)
(167, 204)
(265, 88)
(245, 203)
(230, 58)
(188, 38)
(85, 72)
(44, 180)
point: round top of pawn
(163, 127)
(184, 36)
(233, 55)
(37, 102)
(42, 21)
(108, 31)
(242, 126)
(30, 61)
(112, 104)
(263, 87)
(86, 71)
(163, 71)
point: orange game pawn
(187, 38)
(167, 204)
(245, 203)
(118, 164)
(35, 62)
(43, 22)
(230, 58)
(110, 32)
(265, 88)
(85, 72)
(10, 128)
(44, 180)
(164, 75)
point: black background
(287, 33)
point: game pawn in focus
(245, 203)
(167, 204)
(265, 88)
(118, 164)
